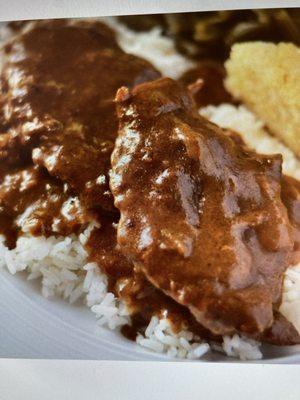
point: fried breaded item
(266, 77)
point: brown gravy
(58, 127)
(201, 216)
(57, 86)
(205, 81)
(142, 298)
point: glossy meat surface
(201, 216)
(58, 85)
(58, 124)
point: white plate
(34, 327)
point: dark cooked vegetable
(211, 34)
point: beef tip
(34, 202)
(58, 84)
(201, 216)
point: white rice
(152, 46)
(61, 263)
(62, 268)
(241, 347)
(58, 262)
(160, 338)
(290, 306)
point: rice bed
(60, 263)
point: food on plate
(59, 122)
(116, 188)
(268, 83)
(201, 216)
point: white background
(45, 379)
(89, 380)
(33, 9)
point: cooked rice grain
(61, 263)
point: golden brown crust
(265, 77)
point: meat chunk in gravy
(58, 85)
(201, 217)
(143, 300)
(58, 124)
(33, 201)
